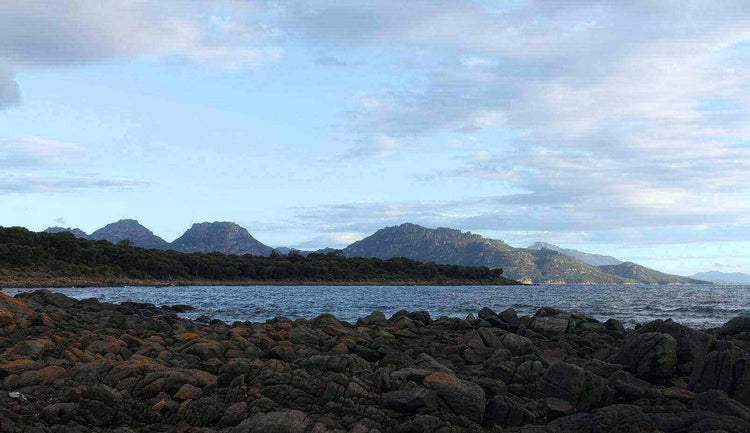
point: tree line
(64, 255)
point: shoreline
(70, 365)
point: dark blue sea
(700, 306)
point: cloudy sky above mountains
(613, 127)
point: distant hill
(449, 246)
(723, 277)
(76, 232)
(591, 259)
(645, 275)
(131, 230)
(222, 237)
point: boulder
(718, 401)
(506, 411)
(550, 326)
(650, 355)
(692, 345)
(463, 397)
(726, 370)
(736, 325)
(285, 421)
(410, 399)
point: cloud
(36, 164)
(10, 94)
(38, 34)
(25, 183)
(622, 114)
(378, 145)
(38, 152)
(331, 240)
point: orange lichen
(6, 298)
(187, 336)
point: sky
(617, 128)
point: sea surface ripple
(698, 306)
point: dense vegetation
(63, 255)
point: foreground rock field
(75, 366)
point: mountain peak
(131, 230)
(220, 236)
(75, 231)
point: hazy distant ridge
(591, 259)
(723, 277)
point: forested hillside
(30, 256)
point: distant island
(29, 259)
(540, 263)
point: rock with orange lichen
(88, 366)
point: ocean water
(700, 306)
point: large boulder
(286, 421)
(692, 346)
(507, 320)
(726, 370)
(410, 399)
(718, 401)
(551, 326)
(463, 397)
(736, 325)
(506, 411)
(650, 355)
(582, 389)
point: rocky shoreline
(74, 366)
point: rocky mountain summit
(588, 258)
(75, 366)
(222, 237)
(75, 231)
(130, 230)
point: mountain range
(222, 237)
(723, 277)
(543, 265)
(540, 263)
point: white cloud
(38, 152)
(331, 240)
(625, 114)
(24, 183)
(36, 164)
(42, 34)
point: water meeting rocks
(73, 366)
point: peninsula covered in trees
(60, 259)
